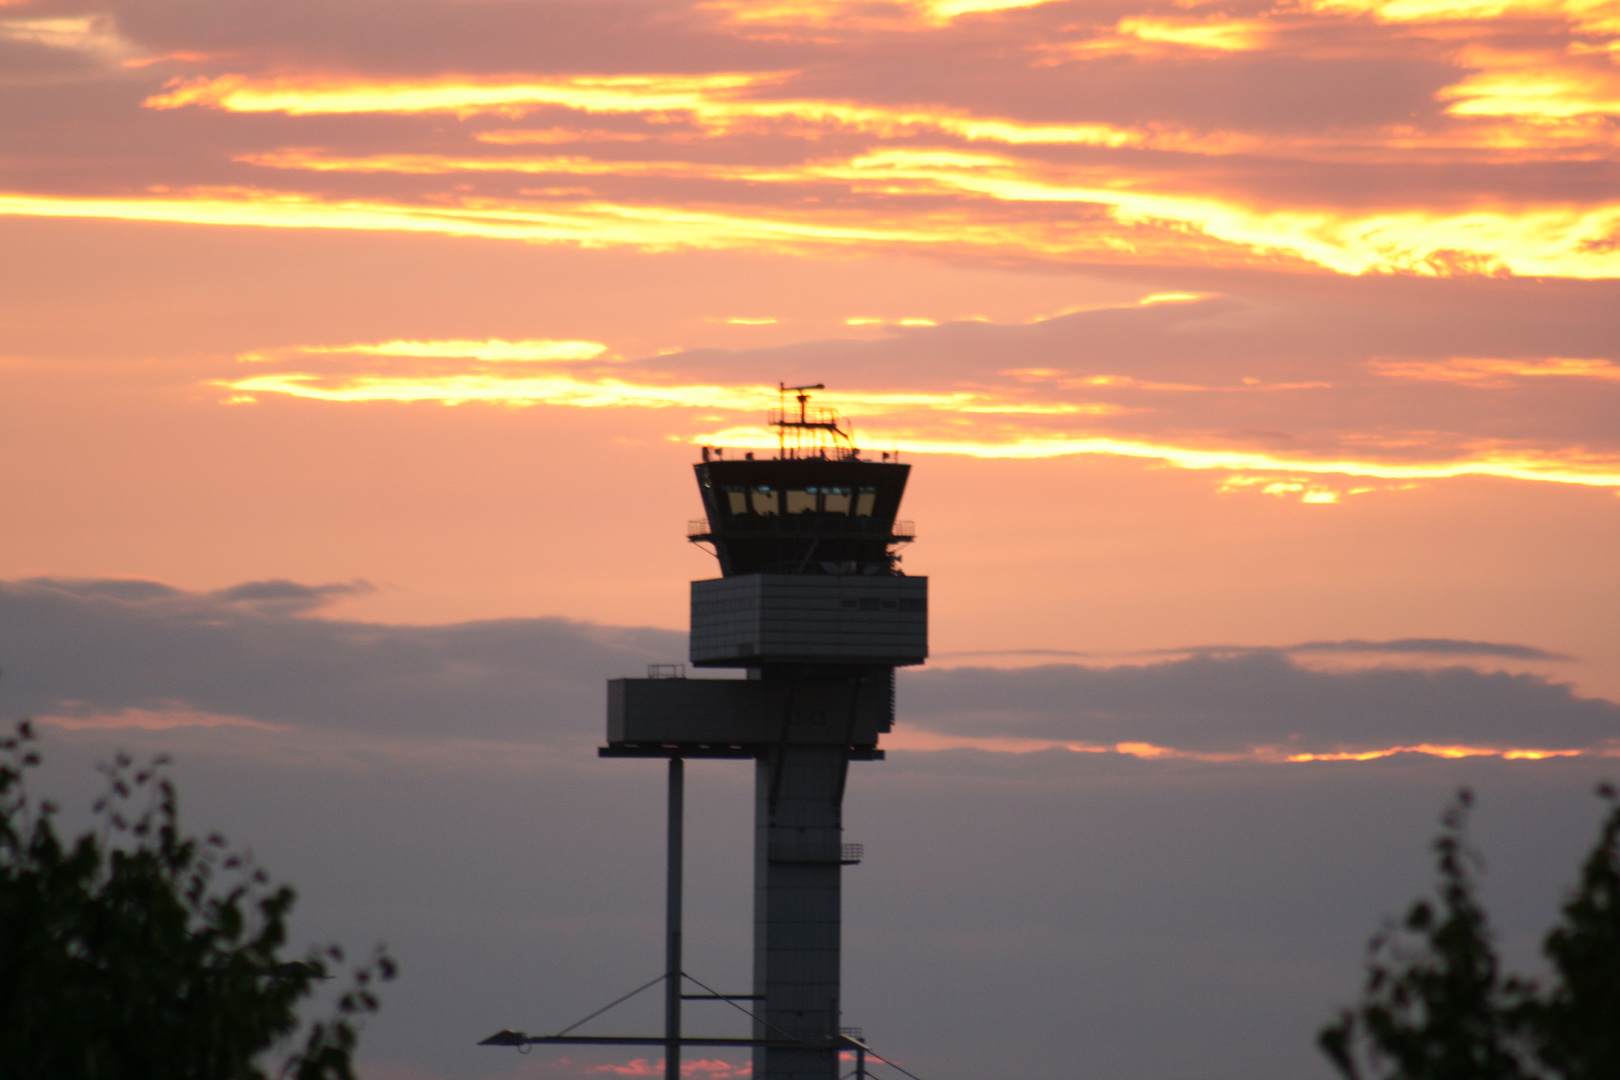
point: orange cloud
(1305, 490)
(702, 1069)
(1556, 241)
(921, 421)
(1442, 752)
(154, 720)
(93, 35)
(313, 96)
(482, 384)
(609, 393)
(718, 103)
(1490, 372)
(1161, 35)
(554, 135)
(492, 350)
(1546, 467)
(1590, 16)
(1540, 87)
(854, 15)
(587, 224)
(1563, 241)
(912, 738)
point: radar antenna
(819, 433)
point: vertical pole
(672, 919)
(860, 1062)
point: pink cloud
(704, 1068)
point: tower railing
(803, 525)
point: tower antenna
(813, 432)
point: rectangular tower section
(755, 619)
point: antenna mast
(818, 433)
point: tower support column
(798, 837)
(673, 976)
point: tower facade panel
(692, 713)
(754, 619)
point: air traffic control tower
(811, 602)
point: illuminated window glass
(766, 501)
(836, 500)
(801, 502)
(737, 499)
(865, 501)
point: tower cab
(806, 546)
(818, 507)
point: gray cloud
(281, 596)
(1429, 647)
(517, 877)
(94, 647)
(1214, 703)
(1167, 919)
(86, 648)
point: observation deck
(896, 532)
(803, 515)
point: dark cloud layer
(96, 647)
(1428, 647)
(87, 648)
(1227, 704)
(1039, 916)
(1017, 910)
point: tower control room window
(865, 501)
(766, 500)
(836, 500)
(736, 499)
(801, 502)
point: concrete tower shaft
(798, 909)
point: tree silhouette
(136, 951)
(1435, 1005)
(1575, 1028)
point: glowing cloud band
(492, 350)
(1566, 242)
(715, 103)
(1592, 16)
(1572, 241)
(920, 409)
(1504, 466)
(719, 105)
(918, 739)
(563, 389)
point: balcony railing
(801, 525)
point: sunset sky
(1259, 364)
